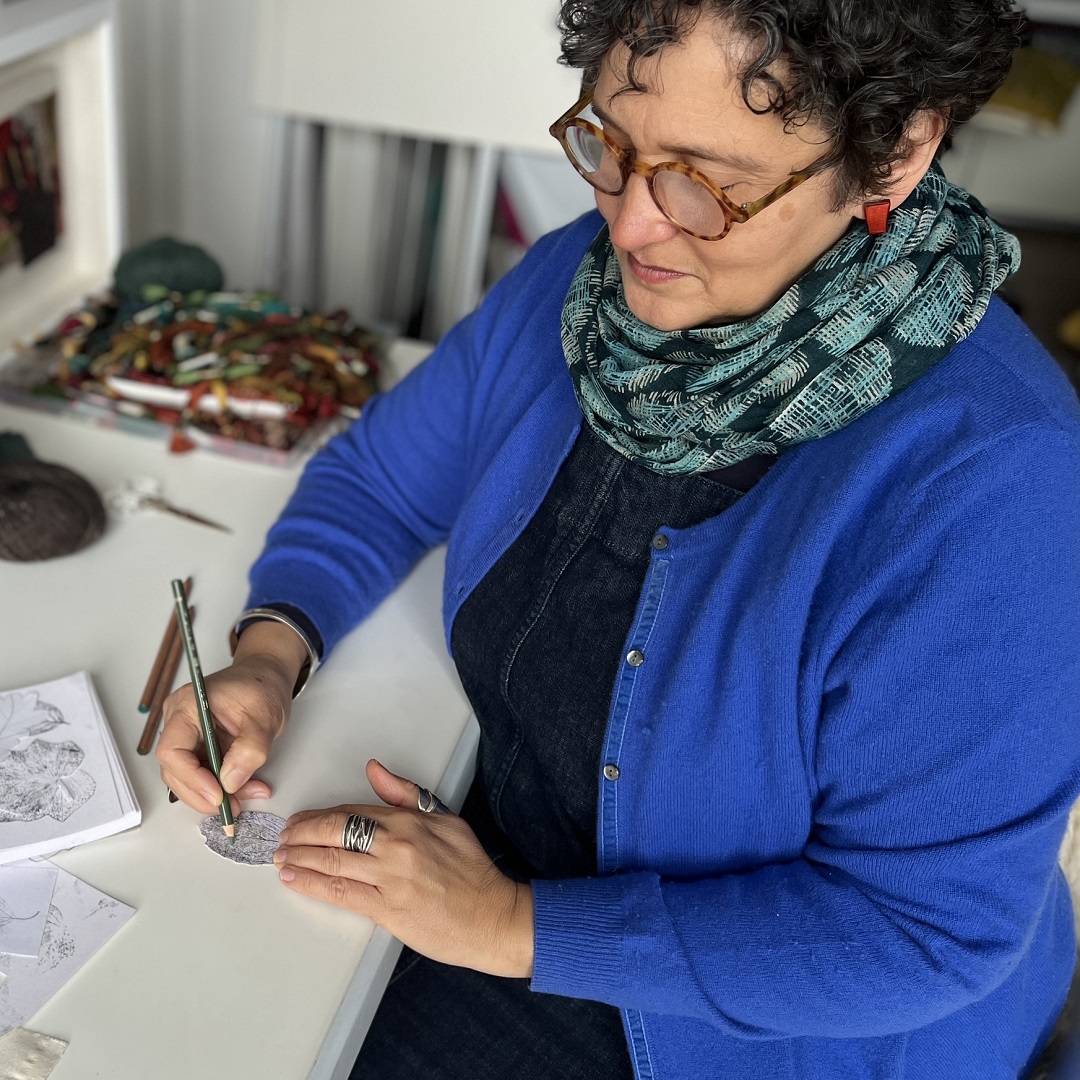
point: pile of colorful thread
(241, 366)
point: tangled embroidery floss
(222, 369)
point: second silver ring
(427, 802)
(357, 833)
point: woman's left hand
(425, 879)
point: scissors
(144, 493)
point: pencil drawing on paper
(7, 915)
(256, 837)
(22, 715)
(108, 908)
(44, 780)
(57, 942)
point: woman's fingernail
(283, 836)
(261, 795)
(228, 780)
(279, 856)
(287, 873)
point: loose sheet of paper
(80, 920)
(25, 895)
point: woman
(761, 580)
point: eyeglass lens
(684, 200)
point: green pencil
(198, 684)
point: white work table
(221, 970)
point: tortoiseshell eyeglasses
(684, 195)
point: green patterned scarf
(866, 320)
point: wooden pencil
(161, 691)
(198, 684)
(172, 630)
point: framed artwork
(31, 217)
(60, 184)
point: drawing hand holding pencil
(251, 700)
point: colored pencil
(198, 684)
(163, 688)
(159, 662)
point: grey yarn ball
(46, 511)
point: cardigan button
(660, 541)
(635, 658)
(611, 772)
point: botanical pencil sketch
(20, 930)
(22, 714)
(57, 943)
(25, 895)
(80, 920)
(7, 915)
(256, 837)
(61, 781)
(44, 780)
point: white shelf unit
(66, 46)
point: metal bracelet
(264, 614)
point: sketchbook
(62, 782)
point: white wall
(470, 71)
(196, 148)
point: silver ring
(357, 833)
(428, 802)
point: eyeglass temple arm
(748, 210)
(570, 113)
(823, 163)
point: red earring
(877, 216)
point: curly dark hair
(860, 69)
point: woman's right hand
(250, 701)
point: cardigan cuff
(329, 601)
(579, 928)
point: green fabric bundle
(169, 264)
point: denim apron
(537, 646)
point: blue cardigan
(846, 764)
